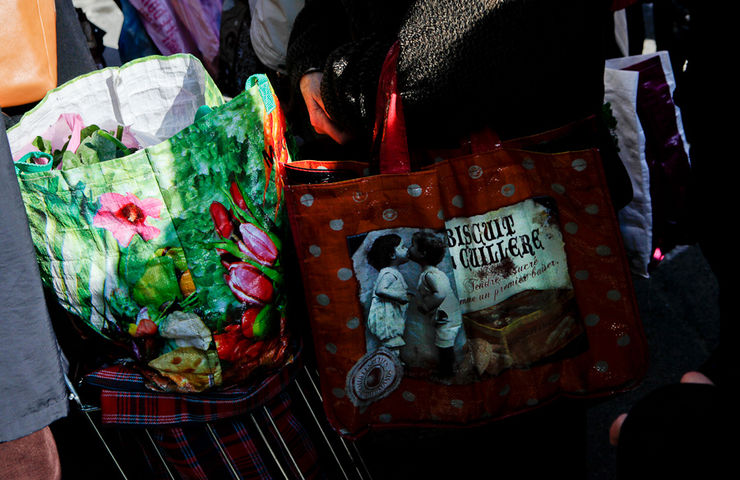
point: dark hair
(431, 246)
(382, 251)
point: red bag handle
(390, 141)
(389, 134)
(621, 4)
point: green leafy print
(221, 148)
(96, 145)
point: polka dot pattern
(307, 200)
(581, 274)
(390, 214)
(475, 172)
(508, 190)
(604, 302)
(614, 295)
(414, 190)
(579, 164)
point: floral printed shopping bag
(171, 250)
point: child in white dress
(387, 315)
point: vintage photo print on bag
(410, 302)
(487, 293)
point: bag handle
(390, 143)
(34, 162)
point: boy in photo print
(437, 300)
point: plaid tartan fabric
(243, 432)
(125, 399)
(236, 448)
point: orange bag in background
(28, 58)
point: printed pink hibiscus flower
(125, 215)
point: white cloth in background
(272, 21)
(106, 15)
(620, 31)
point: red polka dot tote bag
(478, 288)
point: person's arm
(310, 86)
(318, 29)
(336, 70)
(34, 392)
(468, 65)
(308, 48)
(349, 86)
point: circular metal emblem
(373, 377)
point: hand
(441, 318)
(616, 426)
(311, 90)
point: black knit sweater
(518, 66)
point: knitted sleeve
(519, 66)
(319, 28)
(347, 40)
(350, 83)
